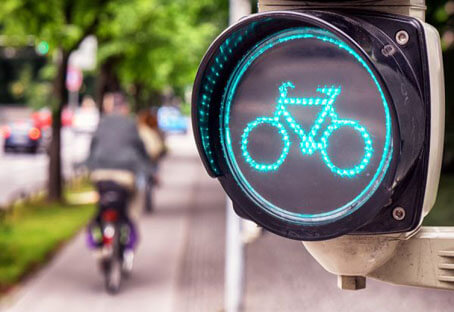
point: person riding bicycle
(153, 139)
(117, 154)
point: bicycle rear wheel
(368, 149)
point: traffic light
(324, 123)
(42, 48)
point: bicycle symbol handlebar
(308, 144)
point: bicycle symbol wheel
(368, 149)
(273, 122)
(322, 146)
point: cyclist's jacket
(116, 144)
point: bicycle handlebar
(283, 88)
(331, 92)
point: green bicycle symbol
(308, 144)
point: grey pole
(234, 262)
(238, 9)
(234, 252)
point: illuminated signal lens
(42, 48)
(301, 118)
(34, 134)
(327, 138)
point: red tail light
(6, 132)
(107, 240)
(34, 134)
(108, 234)
(110, 215)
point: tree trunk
(107, 81)
(55, 182)
(138, 96)
(154, 99)
(101, 87)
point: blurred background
(59, 59)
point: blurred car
(171, 120)
(43, 118)
(21, 136)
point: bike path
(72, 282)
(180, 264)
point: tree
(145, 47)
(63, 24)
(440, 13)
(154, 45)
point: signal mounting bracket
(412, 8)
(424, 260)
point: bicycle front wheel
(260, 166)
(368, 149)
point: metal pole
(234, 262)
(234, 253)
(238, 9)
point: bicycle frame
(308, 144)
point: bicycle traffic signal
(323, 123)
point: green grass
(442, 213)
(30, 234)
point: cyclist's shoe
(128, 261)
(94, 236)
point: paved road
(22, 173)
(180, 264)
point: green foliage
(32, 232)
(158, 44)
(440, 13)
(186, 108)
(442, 213)
(37, 93)
(61, 23)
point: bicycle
(309, 145)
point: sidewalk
(180, 264)
(71, 282)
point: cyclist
(155, 146)
(117, 154)
(152, 137)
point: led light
(313, 141)
(308, 143)
(42, 48)
(207, 89)
(368, 149)
(285, 140)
